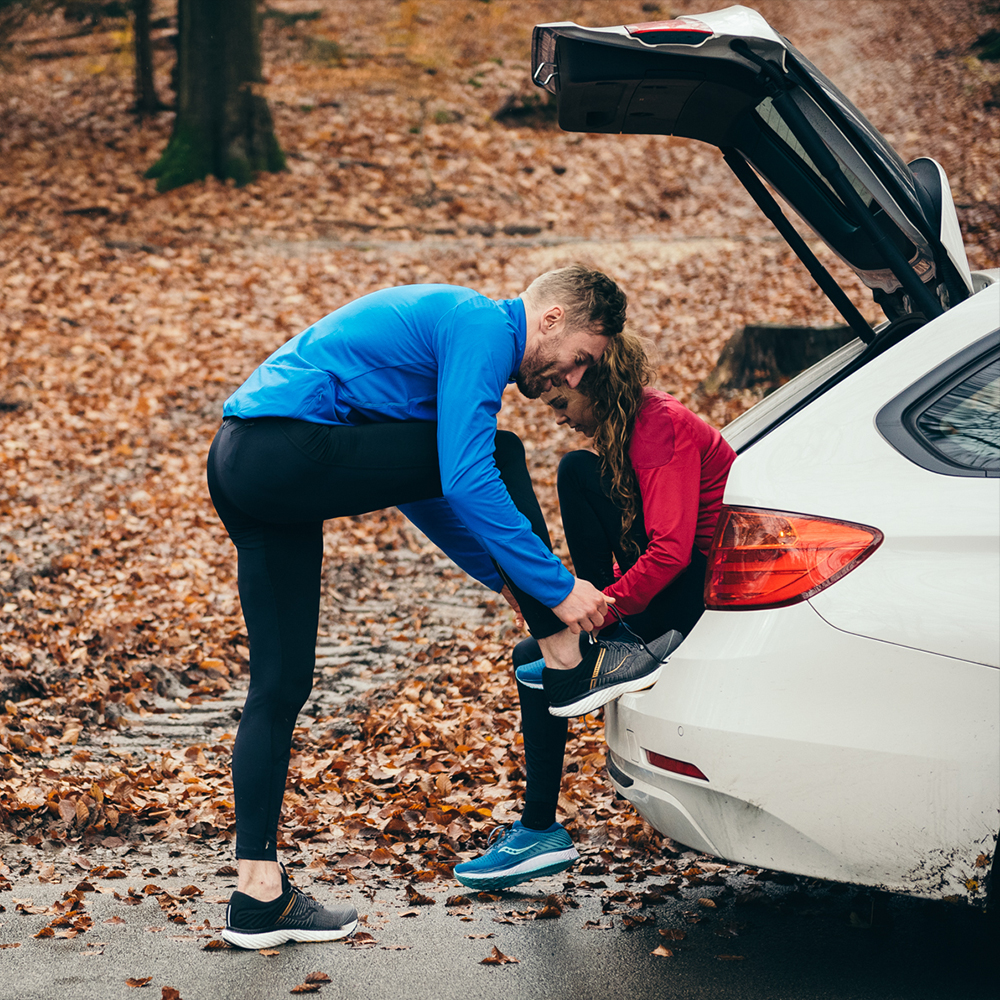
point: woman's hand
(506, 594)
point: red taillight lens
(770, 558)
(680, 31)
(677, 766)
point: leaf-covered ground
(127, 317)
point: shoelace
(497, 834)
(624, 625)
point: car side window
(949, 421)
(963, 425)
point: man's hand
(512, 601)
(584, 609)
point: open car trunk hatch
(727, 78)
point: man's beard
(536, 374)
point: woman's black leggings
(593, 525)
(273, 482)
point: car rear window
(963, 425)
(949, 420)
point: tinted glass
(963, 425)
(770, 115)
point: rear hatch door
(728, 79)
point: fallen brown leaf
(417, 898)
(662, 952)
(497, 957)
(216, 944)
(672, 933)
(170, 993)
(269, 952)
(138, 983)
(318, 977)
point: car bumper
(826, 754)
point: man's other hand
(506, 594)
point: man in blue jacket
(390, 400)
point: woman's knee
(507, 449)
(578, 469)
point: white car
(836, 711)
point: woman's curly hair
(614, 387)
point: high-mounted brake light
(677, 766)
(680, 31)
(771, 558)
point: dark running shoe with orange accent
(293, 916)
(608, 669)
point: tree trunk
(223, 125)
(146, 100)
(770, 354)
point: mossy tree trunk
(146, 100)
(223, 125)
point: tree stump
(770, 354)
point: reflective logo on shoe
(597, 667)
(516, 850)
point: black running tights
(593, 527)
(273, 482)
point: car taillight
(771, 558)
(677, 766)
(680, 31)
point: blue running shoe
(517, 854)
(530, 674)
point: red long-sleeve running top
(681, 464)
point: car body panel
(923, 563)
(828, 755)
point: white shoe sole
(601, 696)
(271, 939)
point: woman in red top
(639, 517)
(640, 514)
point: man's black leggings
(593, 525)
(273, 482)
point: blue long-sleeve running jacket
(422, 352)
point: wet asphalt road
(761, 941)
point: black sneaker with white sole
(608, 669)
(293, 916)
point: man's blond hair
(591, 299)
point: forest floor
(129, 316)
